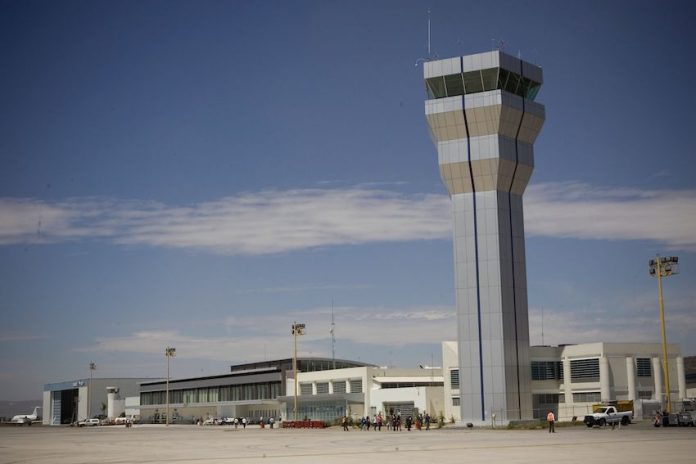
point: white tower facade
(484, 121)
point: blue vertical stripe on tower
(476, 251)
(512, 251)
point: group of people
(237, 421)
(392, 422)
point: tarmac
(636, 443)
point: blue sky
(202, 174)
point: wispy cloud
(579, 210)
(303, 288)
(21, 338)
(269, 333)
(633, 320)
(281, 221)
(258, 223)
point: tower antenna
(542, 326)
(333, 335)
(431, 55)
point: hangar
(76, 400)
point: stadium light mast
(92, 368)
(169, 352)
(664, 267)
(297, 329)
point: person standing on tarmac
(551, 419)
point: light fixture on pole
(169, 352)
(664, 267)
(92, 368)
(297, 329)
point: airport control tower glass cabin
(483, 119)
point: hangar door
(64, 406)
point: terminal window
(584, 370)
(643, 367)
(547, 370)
(356, 386)
(305, 389)
(454, 379)
(587, 397)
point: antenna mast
(430, 51)
(542, 326)
(333, 336)
(429, 54)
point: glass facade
(481, 81)
(327, 411)
(255, 391)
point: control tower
(483, 120)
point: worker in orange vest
(551, 419)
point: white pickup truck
(88, 423)
(608, 415)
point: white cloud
(578, 210)
(258, 335)
(259, 223)
(280, 221)
(635, 320)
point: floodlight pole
(92, 368)
(660, 267)
(169, 352)
(297, 329)
(664, 336)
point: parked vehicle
(89, 422)
(687, 416)
(608, 415)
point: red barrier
(308, 424)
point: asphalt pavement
(636, 443)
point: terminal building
(569, 379)
(365, 391)
(249, 390)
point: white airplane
(26, 418)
